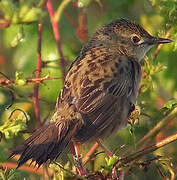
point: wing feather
(101, 106)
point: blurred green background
(78, 21)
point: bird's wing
(122, 83)
(99, 101)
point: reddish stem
(24, 168)
(57, 37)
(37, 75)
(107, 151)
(81, 30)
(90, 152)
(79, 165)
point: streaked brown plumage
(99, 92)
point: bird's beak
(158, 40)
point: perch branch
(147, 150)
(24, 168)
(159, 126)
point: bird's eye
(135, 39)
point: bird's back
(101, 85)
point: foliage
(12, 174)
(76, 22)
(12, 127)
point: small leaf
(110, 161)
(83, 3)
(14, 126)
(170, 104)
(19, 80)
(18, 38)
(33, 14)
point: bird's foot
(78, 163)
(78, 160)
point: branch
(55, 28)
(37, 74)
(90, 152)
(28, 80)
(147, 150)
(25, 168)
(159, 126)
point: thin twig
(56, 33)
(12, 99)
(159, 126)
(20, 111)
(147, 150)
(37, 74)
(155, 130)
(107, 151)
(29, 80)
(89, 154)
(5, 76)
(60, 9)
(160, 172)
(40, 80)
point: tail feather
(46, 143)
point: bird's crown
(124, 27)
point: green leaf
(7, 8)
(170, 104)
(19, 80)
(83, 3)
(11, 174)
(111, 160)
(33, 14)
(18, 38)
(20, 12)
(12, 127)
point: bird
(99, 91)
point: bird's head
(128, 38)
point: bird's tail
(46, 143)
